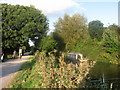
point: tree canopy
(110, 39)
(21, 24)
(48, 43)
(95, 29)
(71, 29)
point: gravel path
(9, 69)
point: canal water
(104, 75)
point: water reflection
(103, 75)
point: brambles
(45, 74)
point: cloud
(47, 6)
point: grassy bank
(50, 72)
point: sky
(104, 10)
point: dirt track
(9, 69)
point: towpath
(9, 69)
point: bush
(45, 73)
(48, 43)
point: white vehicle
(75, 57)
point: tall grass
(51, 72)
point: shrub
(45, 74)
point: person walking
(20, 53)
(14, 54)
(2, 56)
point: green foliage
(48, 43)
(102, 46)
(111, 42)
(110, 38)
(71, 29)
(105, 50)
(60, 42)
(95, 29)
(89, 48)
(21, 23)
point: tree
(71, 29)
(21, 24)
(48, 43)
(111, 43)
(95, 29)
(110, 39)
(60, 41)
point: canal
(104, 75)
